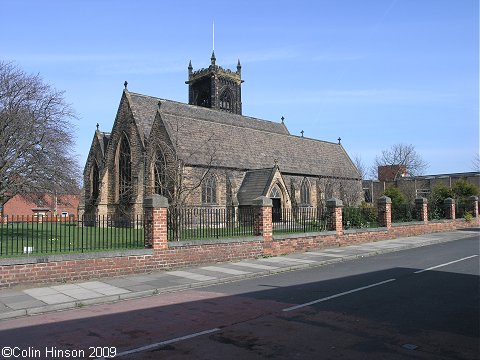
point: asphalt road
(416, 304)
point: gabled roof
(145, 107)
(205, 136)
(103, 139)
(255, 184)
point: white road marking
(441, 265)
(337, 295)
(163, 343)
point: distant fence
(298, 220)
(195, 223)
(25, 235)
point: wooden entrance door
(277, 210)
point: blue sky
(374, 72)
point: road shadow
(434, 310)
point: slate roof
(239, 142)
(255, 184)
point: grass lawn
(24, 238)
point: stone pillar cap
(334, 202)
(262, 201)
(449, 201)
(473, 198)
(155, 201)
(421, 200)
(384, 200)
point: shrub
(468, 216)
(396, 195)
(463, 189)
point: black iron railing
(299, 220)
(404, 213)
(27, 235)
(194, 223)
(359, 217)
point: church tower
(215, 87)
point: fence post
(473, 201)
(384, 207)
(155, 208)
(334, 213)
(262, 217)
(421, 205)
(449, 208)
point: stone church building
(206, 153)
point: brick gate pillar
(384, 207)
(449, 208)
(262, 217)
(155, 208)
(421, 205)
(334, 213)
(473, 202)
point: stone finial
(334, 202)
(262, 201)
(339, 140)
(98, 125)
(283, 119)
(155, 201)
(421, 201)
(213, 58)
(125, 84)
(449, 201)
(301, 132)
(384, 200)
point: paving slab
(34, 299)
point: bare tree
(36, 137)
(340, 184)
(175, 174)
(476, 162)
(402, 158)
(360, 165)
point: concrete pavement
(35, 299)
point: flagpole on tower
(213, 36)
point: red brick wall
(20, 206)
(187, 255)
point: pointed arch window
(226, 101)
(209, 190)
(124, 170)
(95, 182)
(275, 193)
(305, 193)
